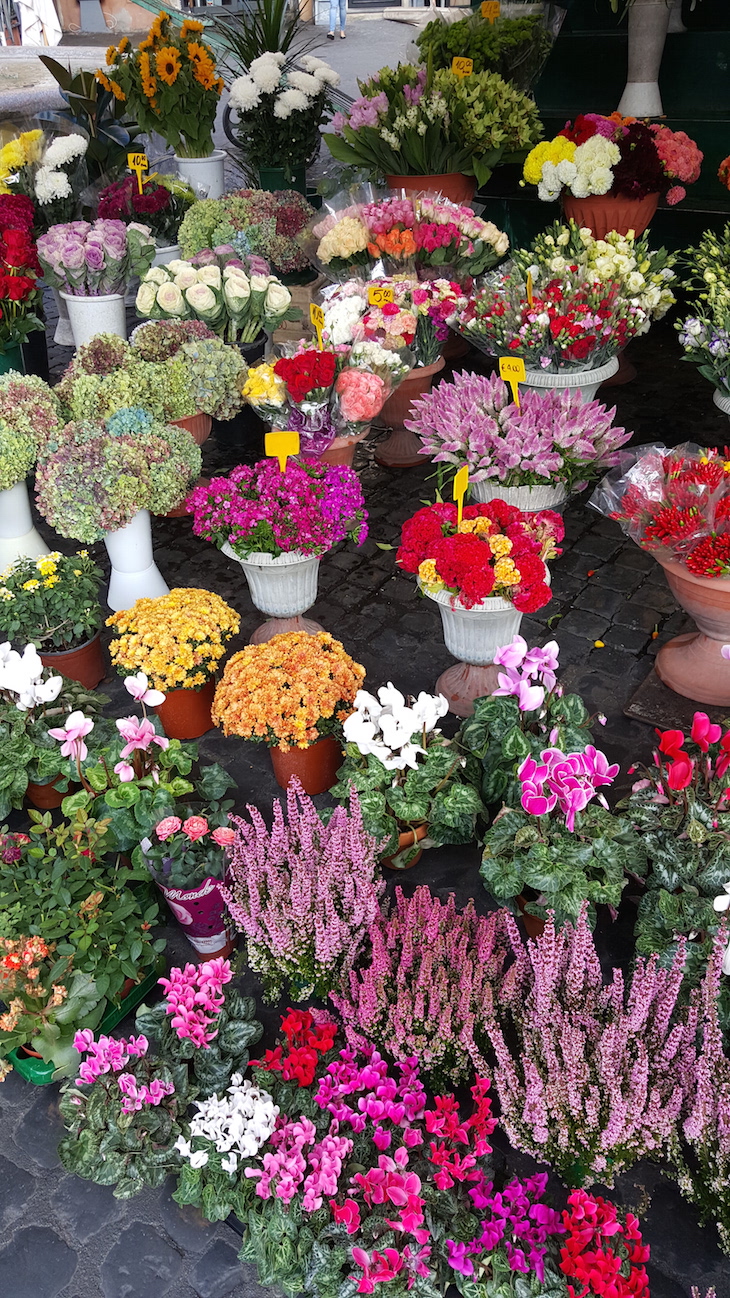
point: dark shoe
(330, 36)
(342, 36)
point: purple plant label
(201, 912)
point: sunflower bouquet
(176, 640)
(288, 692)
(169, 83)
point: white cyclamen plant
(237, 1124)
(21, 678)
(385, 726)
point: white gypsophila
(266, 71)
(65, 149)
(340, 318)
(50, 185)
(290, 101)
(244, 95)
(306, 82)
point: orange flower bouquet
(170, 84)
(290, 693)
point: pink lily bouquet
(92, 260)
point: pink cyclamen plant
(565, 780)
(195, 998)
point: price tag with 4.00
(512, 371)
(490, 10)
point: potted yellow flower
(177, 641)
(171, 86)
(291, 693)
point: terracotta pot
(315, 767)
(342, 450)
(455, 348)
(84, 664)
(198, 425)
(180, 511)
(402, 450)
(692, 664)
(45, 796)
(406, 839)
(604, 212)
(185, 714)
(534, 927)
(452, 184)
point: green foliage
(526, 854)
(513, 47)
(237, 1031)
(27, 751)
(503, 1282)
(51, 602)
(111, 133)
(271, 26)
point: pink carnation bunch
(680, 159)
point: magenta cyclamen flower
(567, 780)
(105, 1055)
(195, 998)
(138, 734)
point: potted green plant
(53, 603)
(31, 702)
(413, 783)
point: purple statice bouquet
(551, 436)
(305, 894)
(90, 260)
(257, 509)
(423, 989)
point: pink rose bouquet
(360, 396)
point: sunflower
(123, 45)
(117, 92)
(103, 80)
(144, 45)
(191, 27)
(111, 56)
(167, 61)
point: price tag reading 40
(137, 162)
(378, 295)
(316, 315)
(512, 371)
(462, 67)
(490, 10)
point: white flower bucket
(171, 252)
(204, 174)
(473, 635)
(722, 403)
(283, 587)
(587, 382)
(64, 333)
(89, 316)
(18, 537)
(529, 499)
(134, 574)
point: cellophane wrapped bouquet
(675, 503)
(337, 239)
(416, 319)
(216, 288)
(452, 242)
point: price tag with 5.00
(512, 371)
(378, 295)
(462, 67)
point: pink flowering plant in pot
(187, 859)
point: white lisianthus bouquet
(235, 305)
(280, 105)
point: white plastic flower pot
(473, 635)
(170, 252)
(88, 316)
(18, 537)
(722, 402)
(134, 574)
(64, 333)
(529, 499)
(206, 175)
(283, 588)
(586, 382)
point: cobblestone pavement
(65, 1238)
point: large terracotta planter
(403, 449)
(452, 184)
(201, 912)
(604, 212)
(198, 425)
(84, 664)
(315, 767)
(692, 664)
(45, 796)
(342, 450)
(185, 714)
(407, 838)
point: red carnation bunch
(310, 374)
(496, 550)
(19, 292)
(17, 212)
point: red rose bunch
(604, 1255)
(310, 374)
(17, 212)
(19, 292)
(496, 550)
(306, 1040)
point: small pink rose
(224, 836)
(195, 827)
(167, 827)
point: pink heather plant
(304, 894)
(551, 436)
(423, 990)
(195, 998)
(592, 1078)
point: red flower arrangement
(19, 292)
(311, 372)
(161, 205)
(678, 502)
(496, 550)
(306, 1040)
(606, 1256)
(653, 158)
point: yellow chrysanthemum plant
(177, 640)
(170, 84)
(288, 692)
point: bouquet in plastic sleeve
(90, 260)
(451, 241)
(47, 167)
(337, 240)
(389, 222)
(675, 503)
(295, 392)
(416, 318)
(363, 385)
(219, 292)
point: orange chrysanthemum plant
(177, 640)
(289, 692)
(170, 84)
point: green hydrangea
(31, 410)
(18, 450)
(197, 226)
(162, 388)
(216, 374)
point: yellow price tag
(530, 293)
(378, 295)
(280, 446)
(512, 371)
(461, 482)
(462, 67)
(490, 10)
(316, 315)
(137, 162)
